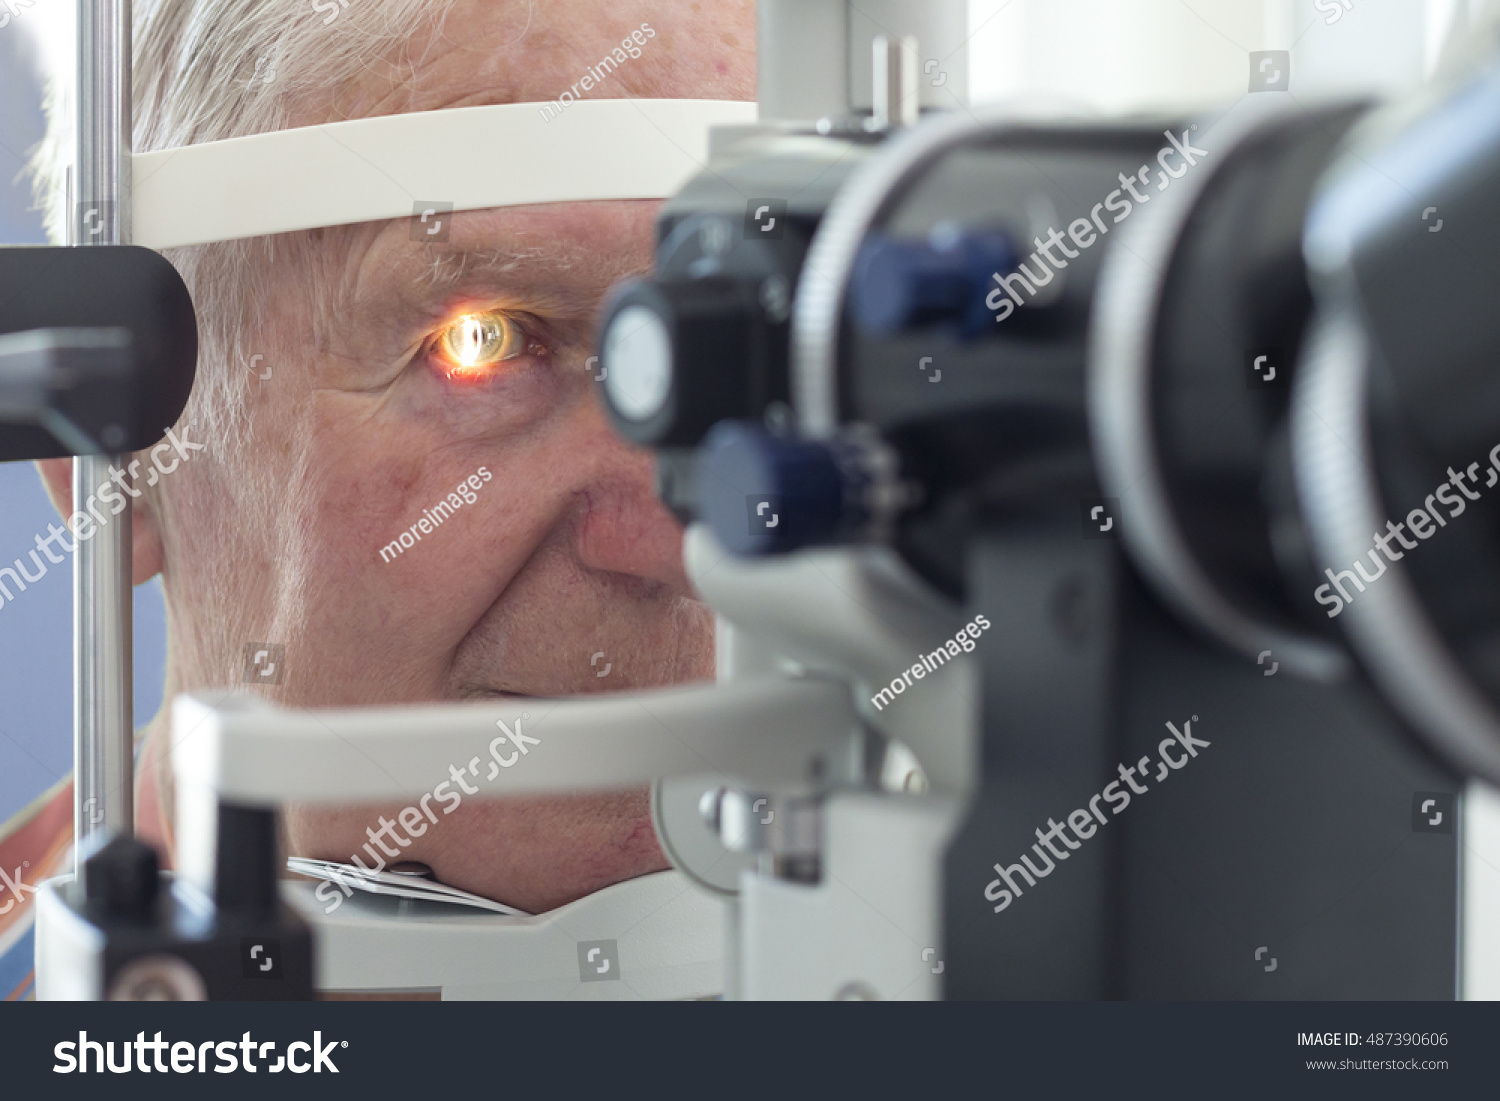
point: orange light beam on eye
(473, 344)
(470, 341)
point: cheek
(359, 538)
(364, 474)
(355, 498)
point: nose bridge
(624, 527)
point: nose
(625, 528)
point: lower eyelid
(533, 355)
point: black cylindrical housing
(111, 287)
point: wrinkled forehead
(424, 166)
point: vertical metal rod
(895, 86)
(103, 734)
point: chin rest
(656, 937)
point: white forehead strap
(427, 162)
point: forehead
(520, 51)
(557, 259)
(480, 52)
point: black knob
(120, 876)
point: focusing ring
(1387, 625)
(1122, 365)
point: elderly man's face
(370, 419)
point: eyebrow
(533, 276)
(401, 285)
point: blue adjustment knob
(764, 494)
(899, 285)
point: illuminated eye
(474, 343)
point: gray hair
(207, 70)
(200, 69)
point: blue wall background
(36, 650)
